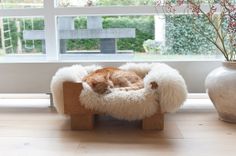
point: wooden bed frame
(83, 119)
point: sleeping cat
(105, 79)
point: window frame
(50, 13)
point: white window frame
(50, 12)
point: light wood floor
(37, 131)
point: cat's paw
(154, 85)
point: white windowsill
(42, 100)
(93, 58)
(45, 96)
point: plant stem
(209, 39)
(224, 51)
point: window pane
(87, 3)
(16, 4)
(105, 35)
(183, 36)
(18, 36)
(138, 37)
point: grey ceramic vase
(221, 87)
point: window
(15, 38)
(97, 29)
(181, 38)
(105, 35)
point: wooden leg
(155, 122)
(82, 122)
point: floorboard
(35, 130)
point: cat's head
(99, 85)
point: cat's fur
(105, 79)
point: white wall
(36, 77)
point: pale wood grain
(40, 132)
(154, 122)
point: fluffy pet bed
(128, 105)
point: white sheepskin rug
(128, 105)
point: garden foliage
(180, 35)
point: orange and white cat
(103, 80)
